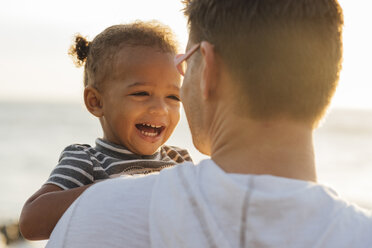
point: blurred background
(42, 111)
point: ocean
(32, 135)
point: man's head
(283, 57)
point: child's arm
(43, 209)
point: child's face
(141, 99)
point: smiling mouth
(150, 130)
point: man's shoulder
(112, 212)
(128, 184)
(334, 220)
(355, 216)
(348, 225)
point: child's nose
(158, 107)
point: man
(260, 75)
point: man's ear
(210, 69)
(93, 101)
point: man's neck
(280, 148)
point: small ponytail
(79, 50)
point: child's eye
(174, 97)
(140, 93)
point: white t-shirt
(202, 206)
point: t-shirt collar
(119, 151)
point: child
(132, 87)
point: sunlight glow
(36, 35)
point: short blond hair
(285, 56)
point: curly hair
(94, 55)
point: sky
(35, 36)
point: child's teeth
(151, 125)
(148, 134)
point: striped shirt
(81, 165)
